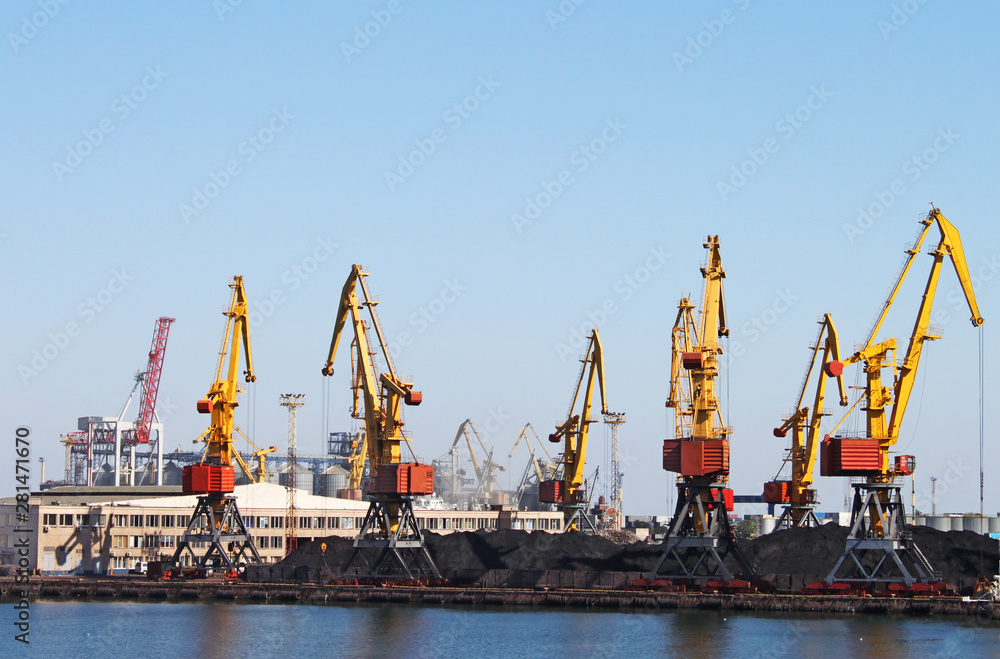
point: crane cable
(981, 404)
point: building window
(135, 541)
(319, 522)
(481, 523)
(277, 542)
(167, 521)
(152, 520)
(135, 521)
(49, 519)
(183, 520)
(120, 521)
(167, 541)
(119, 541)
(277, 522)
(555, 524)
(432, 523)
(250, 521)
(347, 523)
(333, 522)
(263, 522)
(65, 520)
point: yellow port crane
(878, 515)
(797, 493)
(573, 432)
(389, 543)
(700, 535)
(216, 520)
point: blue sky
(167, 150)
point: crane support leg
(700, 537)
(879, 548)
(796, 517)
(386, 552)
(217, 522)
(575, 519)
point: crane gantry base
(380, 551)
(879, 547)
(700, 537)
(575, 518)
(229, 543)
(804, 514)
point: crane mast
(797, 493)
(216, 520)
(700, 535)
(389, 543)
(567, 493)
(878, 516)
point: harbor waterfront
(98, 629)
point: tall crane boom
(700, 535)
(574, 433)
(805, 429)
(389, 542)
(379, 397)
(151, 382)
(878, 518)
(883, 430)
(216, 521)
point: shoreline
(143, 590)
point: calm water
(127, 630)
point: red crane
(151, 383)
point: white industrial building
(99, 529)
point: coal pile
(957, 554)
(800, 552)
(311, 554)
(520, 550)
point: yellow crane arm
(383, 394)
(576, 429)
(949, 245)
(221, 398)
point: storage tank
(767, 524)
(332, 479)
(957, 523)
(303, 478)
(973, 523)
(939, 522)
(994, 524)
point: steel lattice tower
(293, 402)
(617, 519)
